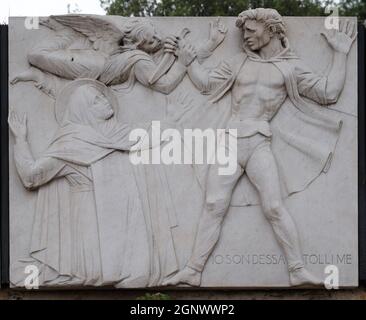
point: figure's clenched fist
(171, 44)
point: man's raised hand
(341, 40)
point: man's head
(141, 34)
(260, 26)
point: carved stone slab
(81, 214)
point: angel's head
(141, 34)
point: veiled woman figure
(99, 220)
(69, 234)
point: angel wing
(104, 35)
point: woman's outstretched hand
(18, 124)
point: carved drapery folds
(98, 219)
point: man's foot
(186, 276)
(302, 277)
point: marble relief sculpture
(102, 221)
(268, 73)
(59, 64)
(89, 47)
(88, 133)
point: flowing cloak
(304, 135)
(51, 243)
(152, 181)
(171, 196)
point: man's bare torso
(258, 93)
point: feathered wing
(104, 35)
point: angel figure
(92, 47)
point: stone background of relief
(247, 254)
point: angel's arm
(50, 54)
(52, 61)
(79, 48)
(167, 83)
(57, 59)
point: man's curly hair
(270, 17)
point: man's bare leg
(262, 172)
(218, 198)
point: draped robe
(123, 220)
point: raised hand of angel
(171, 44)
(18, 124)
(341, 40)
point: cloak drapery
(121, 212)
(80, 142)
(116, 205)
(304, 135)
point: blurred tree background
(141, 8)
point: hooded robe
(161, 193)
(87, 225)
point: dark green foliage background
(139, 8)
